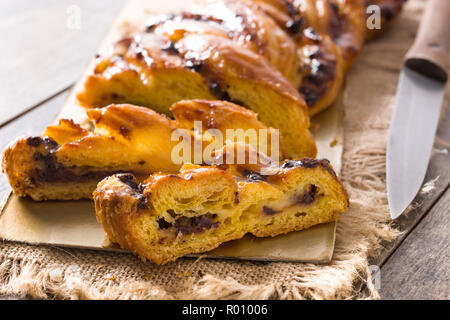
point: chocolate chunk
(294, 26)
(50, 143)
(269, 211)
(291, 164)
(314, 163)
(125, 131)
(197, 66)
(236, 197)
(253, 176)
(321, 72)
(129, 180)
(197, 224)
(307, 197)
(309, 95)
(309, 163)
(218, 92)
(170, 48)
(34, 141)
(163, 224)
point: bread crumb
(334, 142)
(314, 127)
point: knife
(419, 98)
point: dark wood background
(43, 55)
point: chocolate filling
(309, 94)
(308, 196)
(295, 25)
(218, 92)
(48, 169)
(195, 65)
(269, 211)
(125, 132)
(236, 197)
(309, 163)
(130, 181)
(34, 141)
(163, 224)
(304, 198)
(191, 225)
(170, 48)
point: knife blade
(419, 98)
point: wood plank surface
(420, 268)
(46, 46)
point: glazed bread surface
(310, 43)
(200, 66)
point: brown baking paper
(73, 223)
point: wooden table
(45, 48)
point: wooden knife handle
(430, 52)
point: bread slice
(68, 161)
(168, 216)
(153, 71)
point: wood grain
(43, 51)
(420, 268)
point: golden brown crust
(205, 66)
(244, 23)
(168, 216)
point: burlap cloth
(49, 272)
